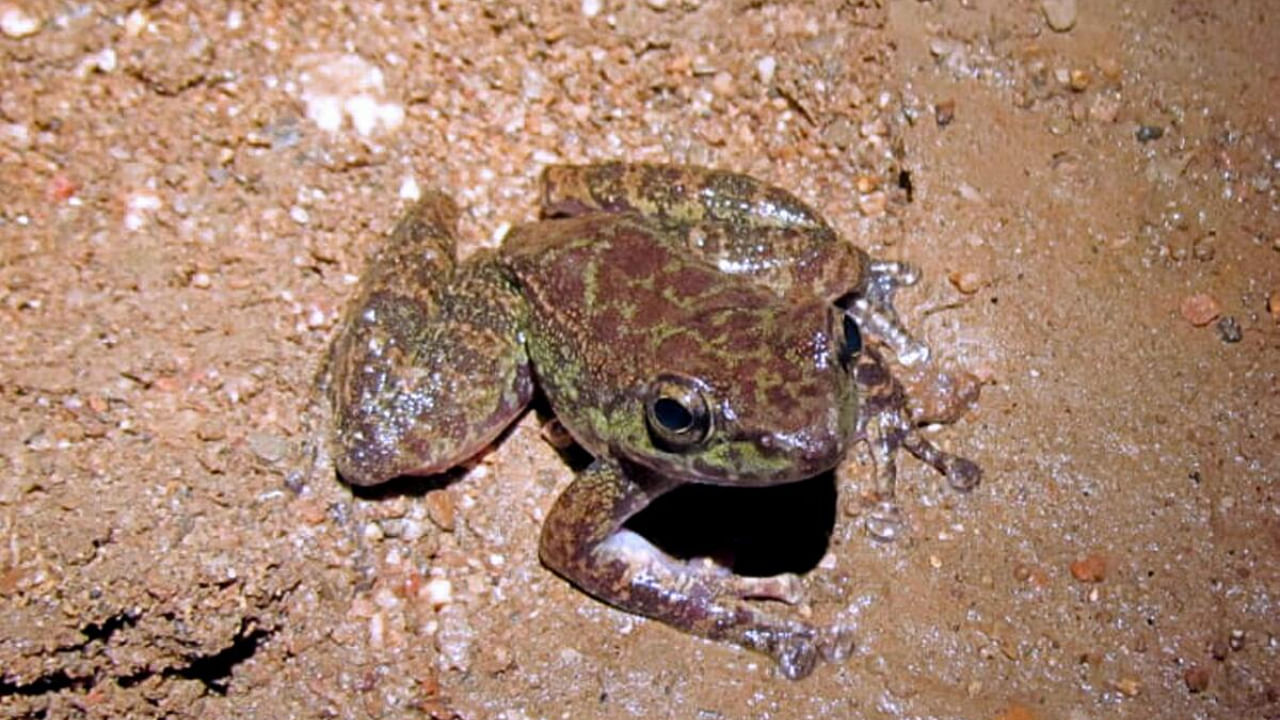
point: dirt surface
(188, 191)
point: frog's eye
(677, 412)
(852, 344)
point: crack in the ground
(212, 670)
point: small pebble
(16, 22)
(1229, 330)
(1060, 14)
(1236, 641)
(1200, 309)
(1203, 249)
(1090, 569)
(1080, 80)
(591, 8)
(722, 84)
(438, 592)
(1147, 133)
(966, 281)
(944, 112)
(440, 508)
(1197, 678)
(1129, 686)
(1017, 712)
(765, 68)
(1273, 305)
(873, 204)
(267, 447)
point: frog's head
(746, 396)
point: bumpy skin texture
(686, 325)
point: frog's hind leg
(428, 367)
(583, 539)
(885, 423)
(735, 222)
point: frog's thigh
(583, 540)
(677, 194)
(418, 386)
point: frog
(684, 325)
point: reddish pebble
(440, 509)
(1197, 678)
(1200, 309)
(312, 511)
(966, 281)
(1273, 305)
(1017, 712)
(1089, 569)
(61, 188)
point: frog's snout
(811, 452)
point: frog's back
(606, 287)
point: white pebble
(439, 592)
(1060, 14)
(765, 67)
(385, 599)
(16, 22)
(299, 214)
(409, 189)
(591, 8)
(135, 23)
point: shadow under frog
(686, 326)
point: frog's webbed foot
(886, 424)
(583, 540)
(872, 308)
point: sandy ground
(188, 192)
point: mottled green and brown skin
(686, 325)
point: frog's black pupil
(852, 339)
(672, 415)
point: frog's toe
(786, 587)
(797, 654)
(962, 474)
(885, 521)
(837, 643)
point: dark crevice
(60, 680)
(45, 684)
(214, 671)
(104, 630)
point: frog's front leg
(886, 424)
(872, 308)
(583, 540)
